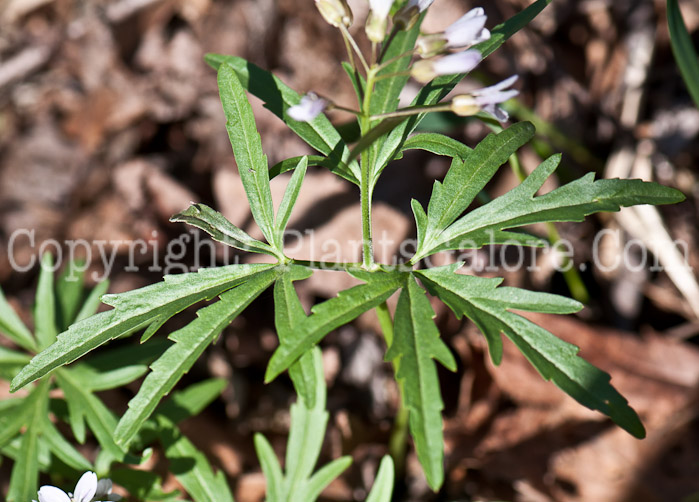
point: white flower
(465, 32)
(486, 99)
(380, 8)
(87, 490)
(461, 62)
(468, 30)
(310, 107)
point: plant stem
(398, 442)
(365, 187)
(413, 110)
(349, 38)
(327, 265)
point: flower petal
(86, 487)
(468, 30)
(461, 62)
(49, 493)
(309, 108)
(380, 8)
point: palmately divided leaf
(572, 202)
(331, 314)
(416, 344)
(278, 97)
(134, 311)
(220, 229)
(190, 343)
(489, 308)
(247, 148)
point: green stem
(413, 110)
(398, 442)
(349, 38)
(326, 265)
(365, 187)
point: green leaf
(62, 449)
(382, 491)
(270, 467)
(45, 308)
(192, 400)
(439, 144)
(325, 475)
(278, 97)
(436, 90)
(221, 230)
(247, 147)
(25, 472)
(190, 343)
(415, 344)
(571, 202)
(290, 195)
(556, 360)
(93, 301)
(291, 163)
(190, 466)
(69, 292)
(83, 405)
(331, 314)
(683, 49)
(142, 485)
(288, 316)
(134, 311)
(12, 327)
(466, 179)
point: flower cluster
(88, 489)
(434, 51)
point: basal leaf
(571, 202)
(416, 343)
(12, 327)
(92, 302)
(325, 475)
(134, 311)
(221, 230)
(101, 419)
(190, 343)
(45, 307)
(270, 467)
(62, 449)
(331, 314)
(69, 293)
(190, 466)
(247, 147)
(25, 471)
(278, 97)
(489, 307)
(382, 491)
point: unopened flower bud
(431, 45)
(335, 12)
(461, 62)
(407, 16)
(376, 27)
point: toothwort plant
(398, 51)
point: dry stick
(23, 64)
